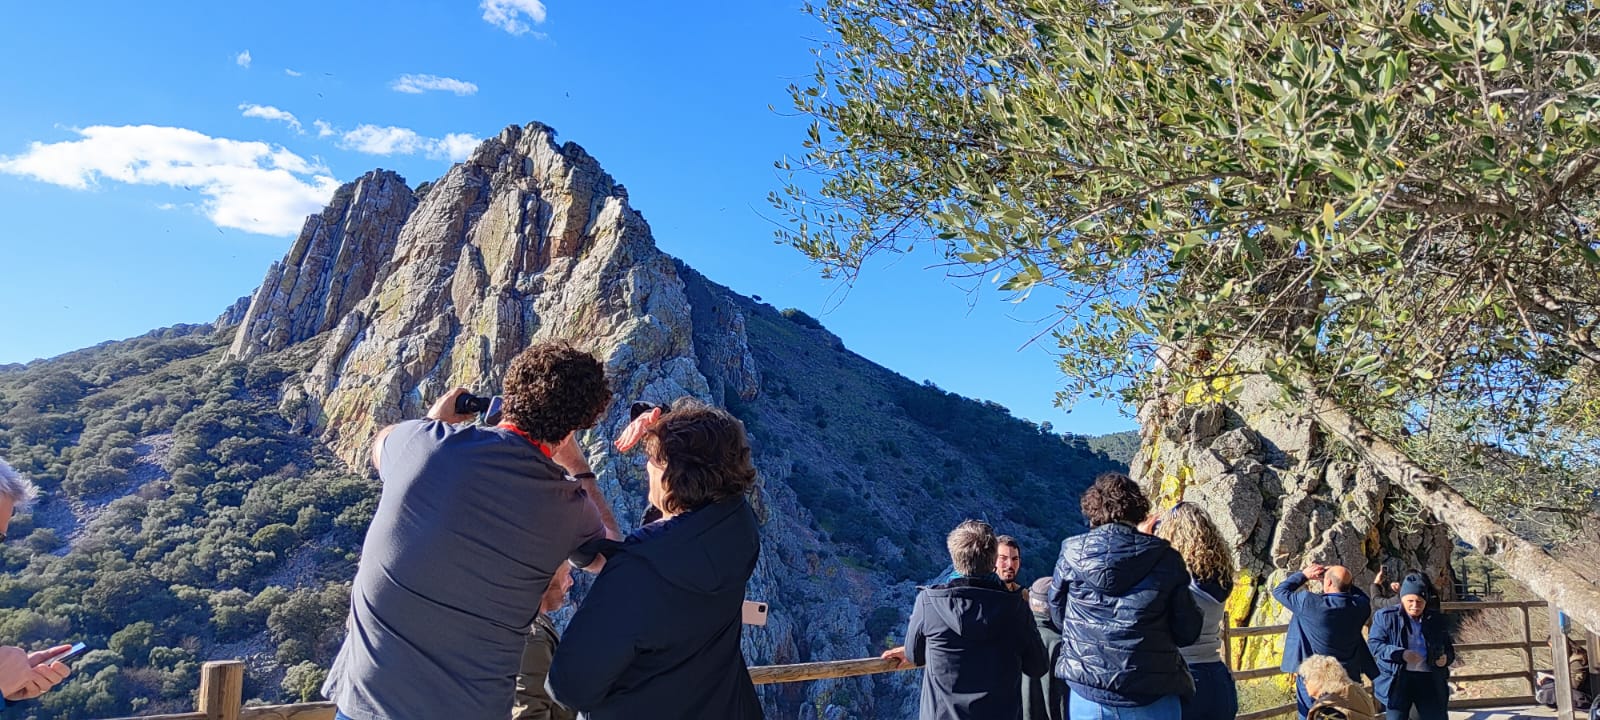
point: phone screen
(74, 650)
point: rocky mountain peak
(340, 254)
(411, 293)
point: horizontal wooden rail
(1241, 632)
(1256, 674)
(304, 711)
(768, 674)
(1490, 605)
(1289, 709)
(178, 716)
(1471, 647)
(1508, 675)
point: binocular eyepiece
(490, 407)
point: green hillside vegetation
(184, 518)
(1119, 447)
(200, 525)
(878, 457)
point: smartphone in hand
(69, 652)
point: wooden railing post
(222, 689)
(1527, 650)
(1558, 662)
(1227, 644)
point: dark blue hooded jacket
(976, 639)
(658, 634)
(1121, 599)
(1388, 640)
(1326, 624)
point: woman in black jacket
(658, 634)
(1122, 601)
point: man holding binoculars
(473, 522)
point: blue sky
(156, 158)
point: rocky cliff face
(334, 263)
(398, 296)
(1279, 493)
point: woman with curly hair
(1121, 598)
(1195, 537)
(658, 634)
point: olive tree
(1386, 207)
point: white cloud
(455, 147)
(166, 206)
(417, 84)
(250, 186)
(507, 15)
(375, 140)
(268, 112)
(243, 59)
(390, 140)
(323, 128)
(292, 73)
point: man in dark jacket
(1325, 624)
(1044, 697)
(1412, 646)
(1121, 599)
(975, 637)
(658, 635)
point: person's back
(974, 637)
(441, 601)
(1044, 697)
(658, 634)
(1351, 703)
(470, 528)
(1117, 589)
(1328, 623)
(973, 634)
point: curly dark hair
(553, 388)
(706, 454)
(1114, 497)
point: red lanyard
(542, 447)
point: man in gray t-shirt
(472, 523)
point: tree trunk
(1529, 564)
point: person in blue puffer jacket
(1122, 601)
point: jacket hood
(976, 608)
(1113, 558)
(705, 551)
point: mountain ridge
(264, 498)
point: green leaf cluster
(1393, 200)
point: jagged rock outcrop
(234, 314)
(862, 471)
(1279, 492)
(340, 253)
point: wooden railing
(221, 695)
(1529, 672)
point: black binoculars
(489, 407)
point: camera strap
(542, 447)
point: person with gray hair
(975, 638)
(24, 675)
(1334, 696)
